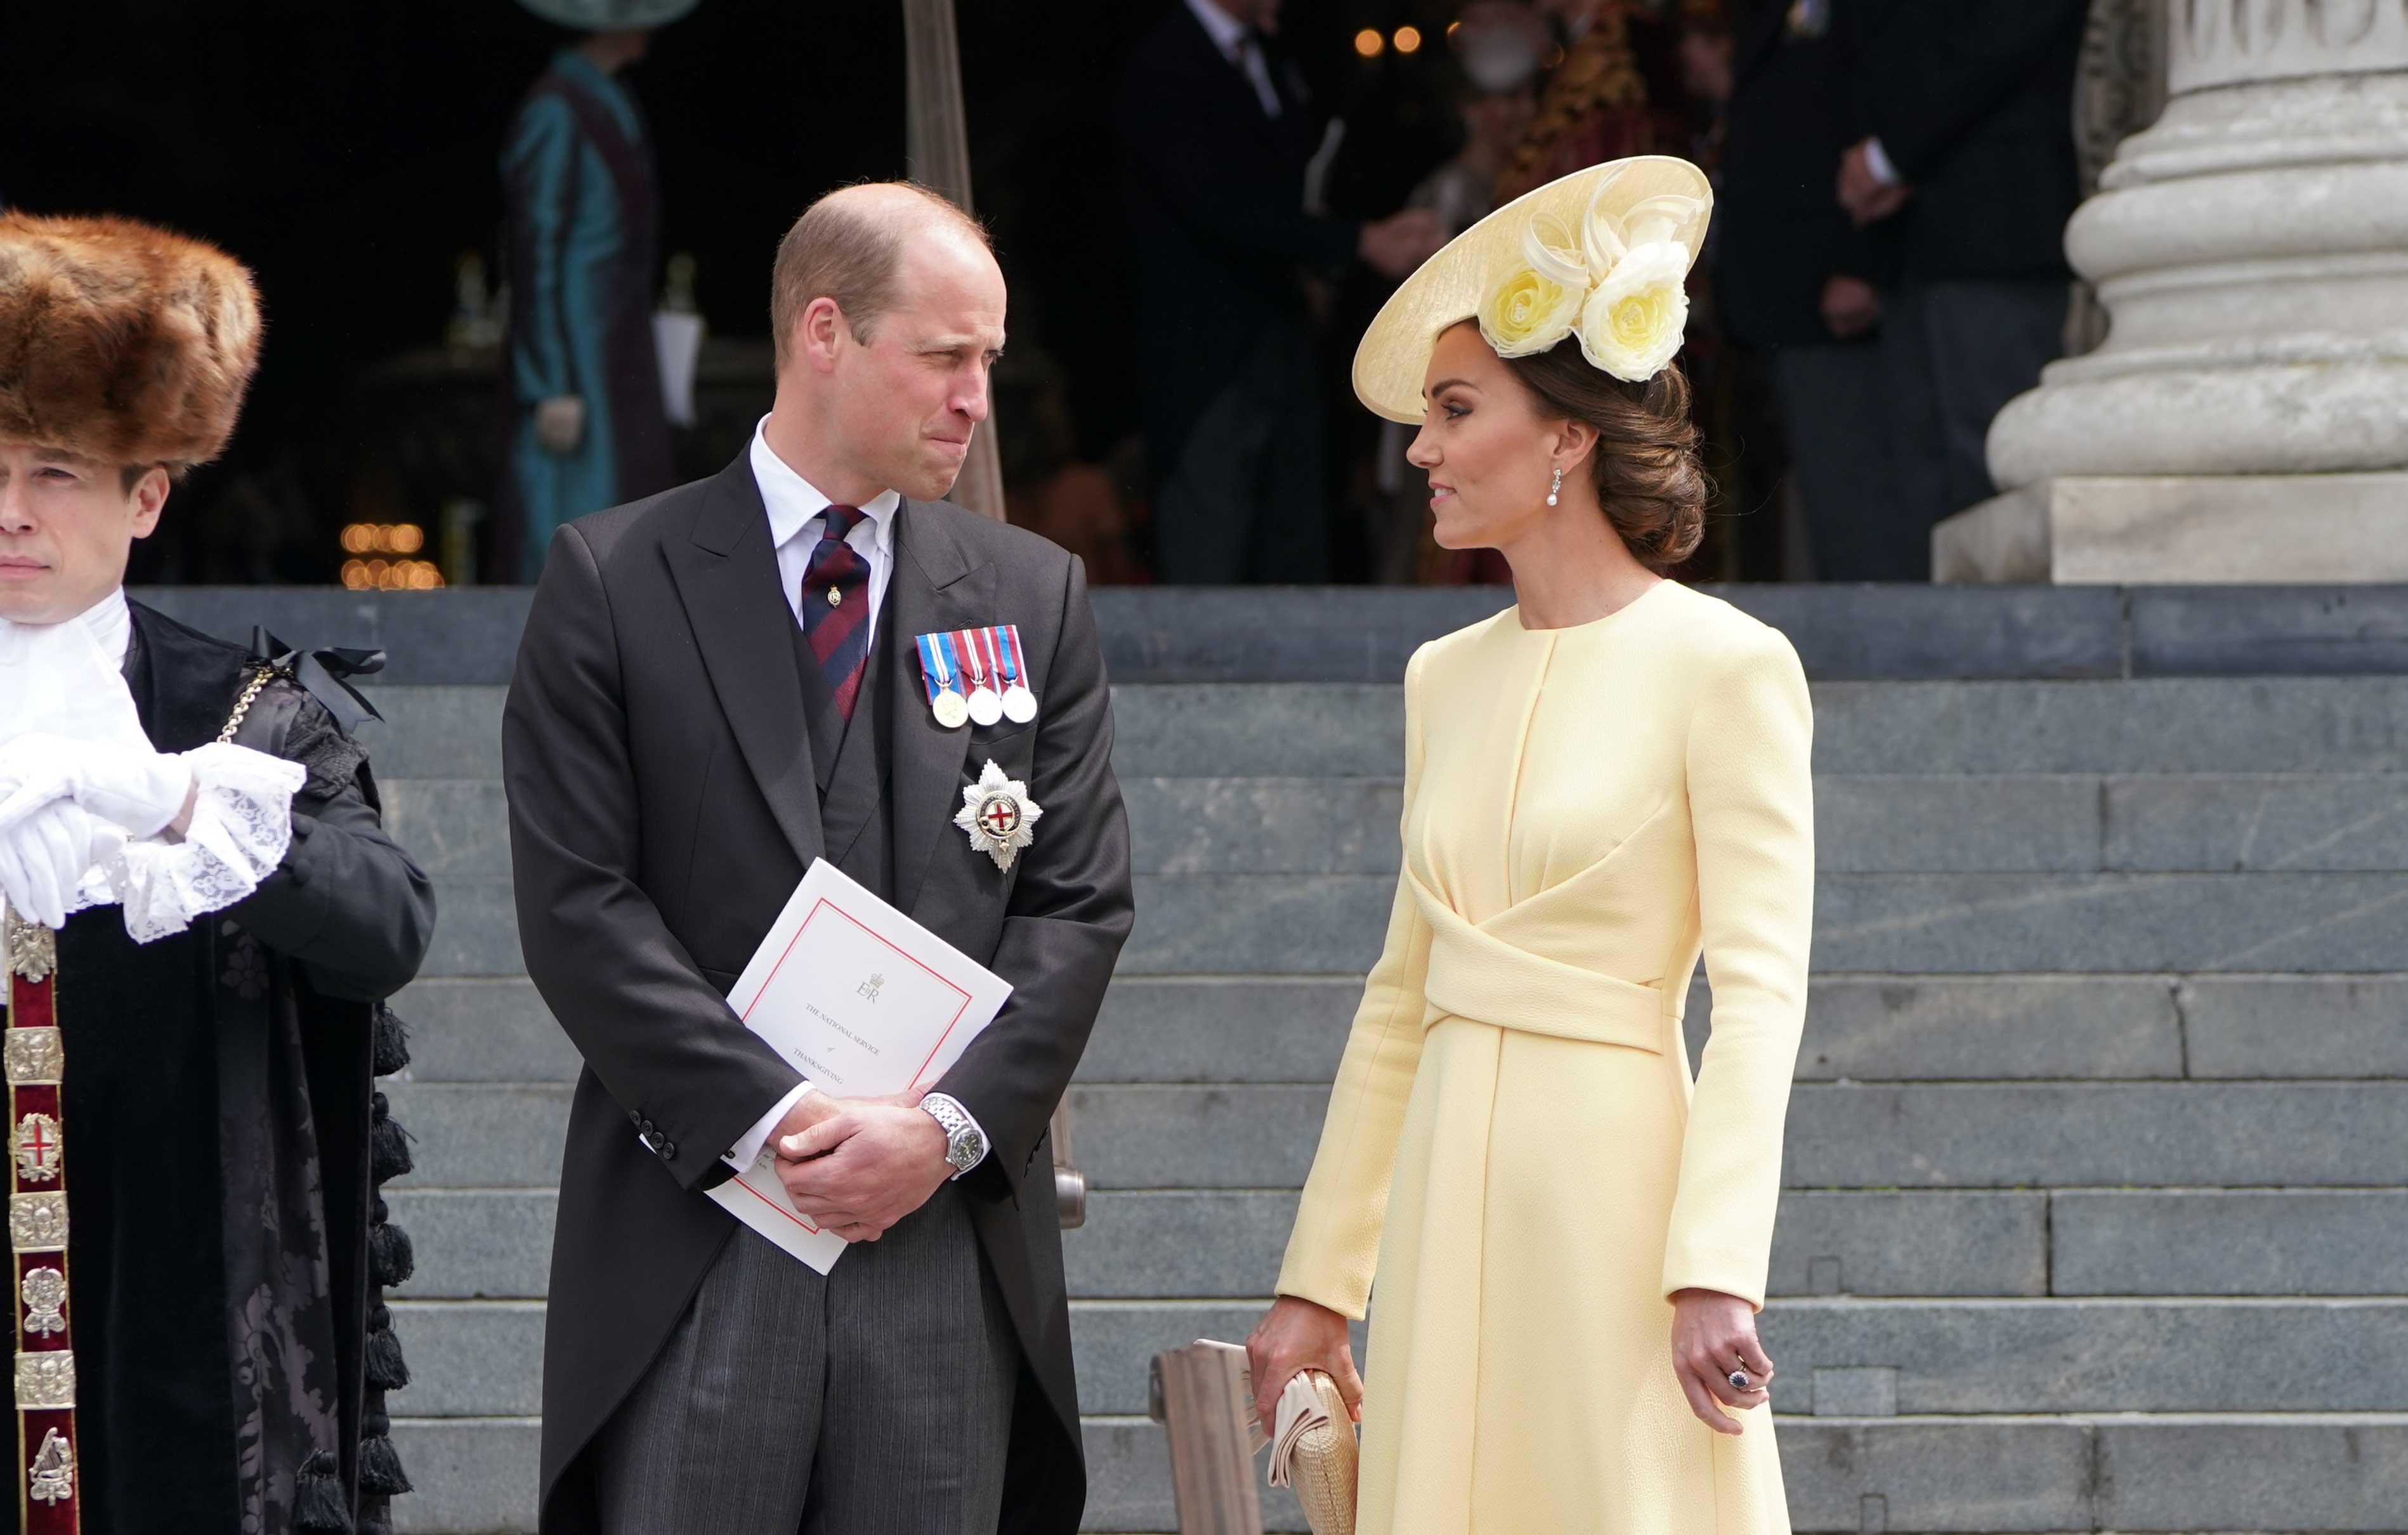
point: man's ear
(823, 334)
(151, 498)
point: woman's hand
(1297, 1335)
(1713, 1334)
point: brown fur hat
(122, 342)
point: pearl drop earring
(1555, 487)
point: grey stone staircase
(2098, 1163)
(2096, 1209)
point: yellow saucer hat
(1603, 253)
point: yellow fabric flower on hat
(1633, 321)
(1620, 281)
(1536, 305)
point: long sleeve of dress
(1336, 1243)
(1751, 806)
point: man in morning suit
(1968, 114)
(1801, 282)
(1218, 134)
(717, 686)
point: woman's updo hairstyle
(1645, 464)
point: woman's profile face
(1486, 449)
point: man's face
(909, 399)
(67, 525)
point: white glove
(138, 791)
(44, 859)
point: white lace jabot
(69, 679)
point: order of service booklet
(865, 1002)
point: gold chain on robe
(48, 1500)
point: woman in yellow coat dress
(1569, 1234)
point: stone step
(2229, 1472)
(2298, 1472)
(1847, 1135)
(496, 1243)
(2313, 724)
(459, 829)
(2229, 1241)
(1366, 634)
(1863, 1027)
(1840, 1135)
(484, 1029)
(1831, 1357)
(1960, 924)
(476, 929)
(480, 1135)
(470, 1476)
(2188, 725)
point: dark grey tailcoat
(663, 803)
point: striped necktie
(836, 609)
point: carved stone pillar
(2246, 417)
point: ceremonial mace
(45, 1382)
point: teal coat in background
(583, 212)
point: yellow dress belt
(1474, 974)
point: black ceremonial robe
(224, 1143)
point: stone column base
(2182, 530)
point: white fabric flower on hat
(1633, 321)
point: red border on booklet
(787, 1209)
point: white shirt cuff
(746, 1150)
(1877, 161)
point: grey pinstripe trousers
(874, 1401)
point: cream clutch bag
(1313, 1452)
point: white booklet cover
(865, 1002)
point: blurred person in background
(1800, 283)
(1966, 154)
(1498, 46)
(1219, 130)
(1601, 100)
(589, 427)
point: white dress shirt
(798, 517)
(798, 520)
(1237, 45)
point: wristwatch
(965, 1143)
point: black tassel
(380, 1466)
(373, 1422)
(318, 1502)
(392, 1041)
(387, 1371)
(388, 1145)
(376, 1517)
(392, 1258)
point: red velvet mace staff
(47, 1501)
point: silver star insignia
(998, 816)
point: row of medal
(977, 676)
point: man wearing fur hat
(203, 917)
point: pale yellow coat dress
(1515, 1145)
